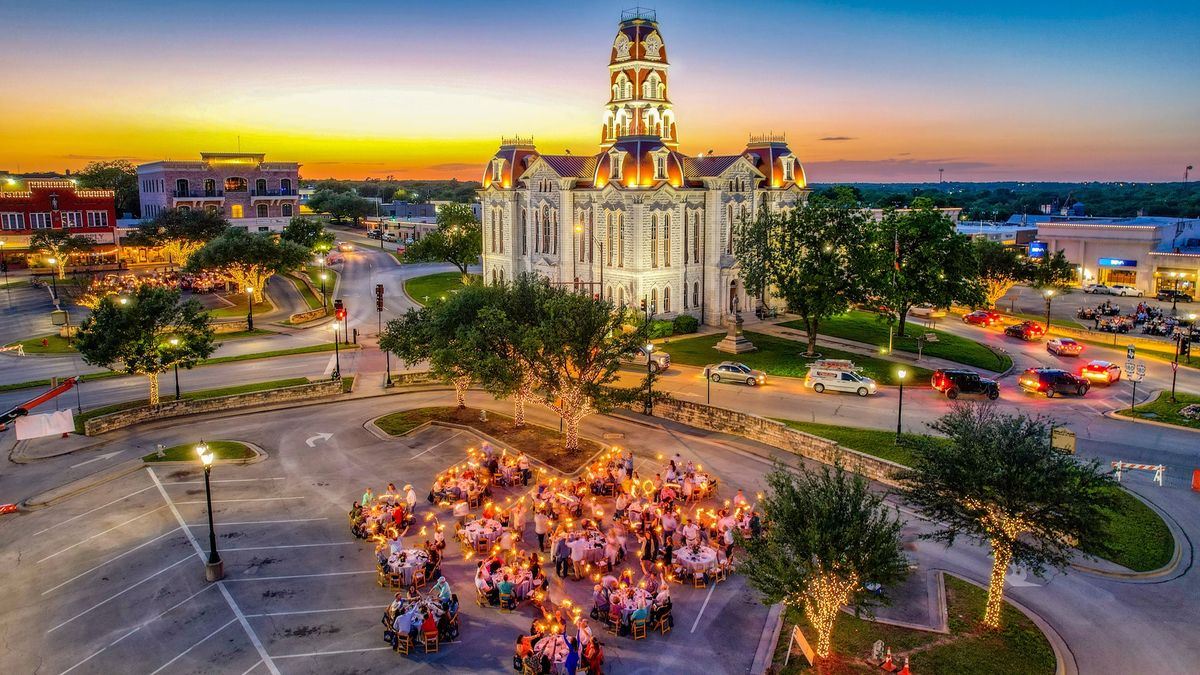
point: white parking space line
(120, 593)
(271, 548)
(703, 607)
(219, 480)
(50, 590)
(437, 445)
(158, 616)
(256, 664)
(60, 523)
(262, 522)
(241, 618)
(232, 501)
(316, 611)
(98, 534)
(183, 653)
(331, 653)
(89, 658)
(300, 576)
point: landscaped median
(1140, 539)
(782, 357)
(540, 443)
(869, 329)
(1162, 410)
(424, 289)
(222, 450)
(1018, 647)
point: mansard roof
(706, 167)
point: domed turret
(509, 162)
(638, 104)
(771, 155)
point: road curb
(1152, 575)
(764, 656)
(75, 487)
(1113, 415)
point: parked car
(1026, 330)
(1063, 347)
(390, 237)
(1173, 296)
(982, 317)
(660, 361)
(1123, 290)
(1097, 289)
(955, 381)
(732, 371)
(374, 234)
(1105, 372)
(838, 375)
(1052, 381)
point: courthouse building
(637, 219)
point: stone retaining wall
(776, 435)
(169, 409)
(415, 378)
(302, 317)
(230, 326)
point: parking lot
(113, 580)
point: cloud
(456, 166)
(837, 138)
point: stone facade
(169, 409)
(239, 185)
(639, 220)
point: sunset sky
(866, 91)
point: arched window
(493, 276)
(492, 228)
(667, 299)
(286, 210)
(285, 186)
(181, 188)
(696, 237)
(236, 211)
(501, 276)
(235, 184)
(696, 294)
(666, 240)
(686, 248)
(545, 228)
(654, 240)
(621, 296)
(685, 304)
(500, 232)
(210, 187)
(260, 186)
(610, 235)
(554, 231)
(620, 238)
(650, 89)
(729, 232)
(261, 210)
(608, 294)
(524, 232)
(653, 301)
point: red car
(1103, 372)
(1026, 330)
(982, 317)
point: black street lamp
(900, 374)
(337, 359)
(1049, 293)
(649, 349)
(214, 570)
(175, 343)
(324, 297)
(250, 308)
(54, 277)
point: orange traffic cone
(904, 670)
(887, 661)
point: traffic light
(1185, 346)
(339, 310)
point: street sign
(1129, 367)
(1129, 351)
(1141, 369)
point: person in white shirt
(739, 499)
(578, 547)
(541, 527)
(691, 533)
(410, 496)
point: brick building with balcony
(236, 184)
(34, 205)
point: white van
(838, 375)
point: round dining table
(700, 559)
(487, 529)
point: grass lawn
(55, 344)
(347, 384)
(1139, 538)
(238, 309)
(1018, 647)
(302, 288)
(538, 442)
(1162, 410)
(257, 332)
(314, 275)
(433, 286)
(187, 452)
(781, 356)
(863, 327)
(188, 395)
(308, 349)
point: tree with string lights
(825, 537)
(997, 479)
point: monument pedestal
(734, 341)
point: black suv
(953, 382)
(1173, 296)
(1051, 381)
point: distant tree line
(1003, 199)
(389, 189)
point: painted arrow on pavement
(107, 455)
(1017, 578)
(312, 440)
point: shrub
(685, 323)
(660, 329)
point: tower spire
(638, 102)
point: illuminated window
(236, 211)
(788, 170)
(235, 184)
(210, 188)
(497, 169)
(660, 166)
(72, 219)
(614, 165)
(285, 186)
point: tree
(120, 176)
(458, 240)
(811, 257)
(307, 232)
(340, 205)
(919, 257)
(59, 245)
(1054, 272)
(997, 479)
(248, 260)
(149, 334)
(583, 340)
(825, 536)
(179, 233)
(450, 335)
(1000, 268)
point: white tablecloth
(702, 561)
(413, 558)
(488, 530)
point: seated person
(429, 627)
(505, 587)
(599, 600)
